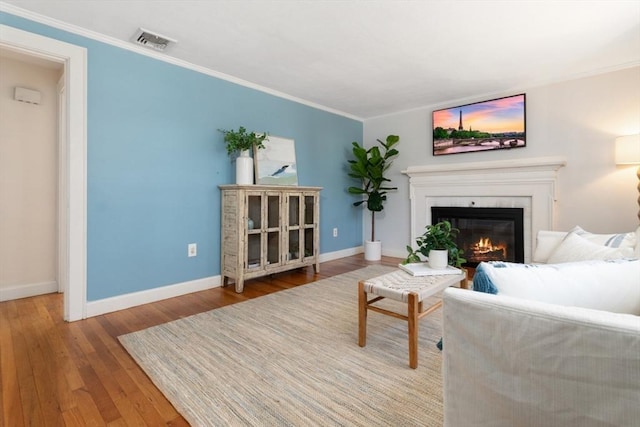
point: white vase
(438, 259)
(372, 250)
(244, 168)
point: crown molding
(74, 29)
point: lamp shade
(628, 150)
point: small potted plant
(438, 244)
(241, 142)
(369, 167)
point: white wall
(28, 178)
(577, 119)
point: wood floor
(55, 373)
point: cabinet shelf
(278, 240)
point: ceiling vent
(152, 40)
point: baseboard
(27, 290)
(395, 253)
(330, 256)
(358, 250)
(121, 302)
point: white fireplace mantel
(526, 183)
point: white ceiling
(371, 58)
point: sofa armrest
(509, 361)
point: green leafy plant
(242, 140)
(437, 236)
(369, 167)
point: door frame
(72, 191)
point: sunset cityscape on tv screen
(489, 125)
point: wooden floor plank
(73, 417)
(23, 338)
(87, 408)
(78, 374)
(59, 369)
(9, 386)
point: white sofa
(533, 355)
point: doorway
(28, 175)
(72, 150)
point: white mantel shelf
(526, 183)
(534, 164)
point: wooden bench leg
(412, 317)
(362, 315)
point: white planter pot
(372, 250)
(244, 168)
(438, 258)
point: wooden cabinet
(268, 229)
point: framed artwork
(275, 164)
(496, 124)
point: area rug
(292, 358)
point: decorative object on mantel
(241, 142)
(369, 167)
(276, 164)
(628, 153)
(438, 244)
(489, 125)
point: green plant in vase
(370, 166)
(440, 236)
(241, 143)
(240, 140)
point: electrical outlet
(335, 232)
(192, 249)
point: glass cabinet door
(310, 225)
(294, 210)
(294, 237)
(309, 210)
(253, 226)
(273, 238)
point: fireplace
(486, 234)
(529, 184)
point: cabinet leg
(239, 285)
(316, 267)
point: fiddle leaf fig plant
(369, 166)
(437, 236)
(242, 140)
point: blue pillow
(482, 282)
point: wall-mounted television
(497, 124)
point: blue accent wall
(155, 160)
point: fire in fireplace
(486, 234)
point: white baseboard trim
(358, 250)
(395, 253)
(27, 290)
(121, 302)
(330, 256)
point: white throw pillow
(577, 248)
(548, 241)
(601, 285)
(619, 240)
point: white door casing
(72, 152)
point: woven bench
(404, 287)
